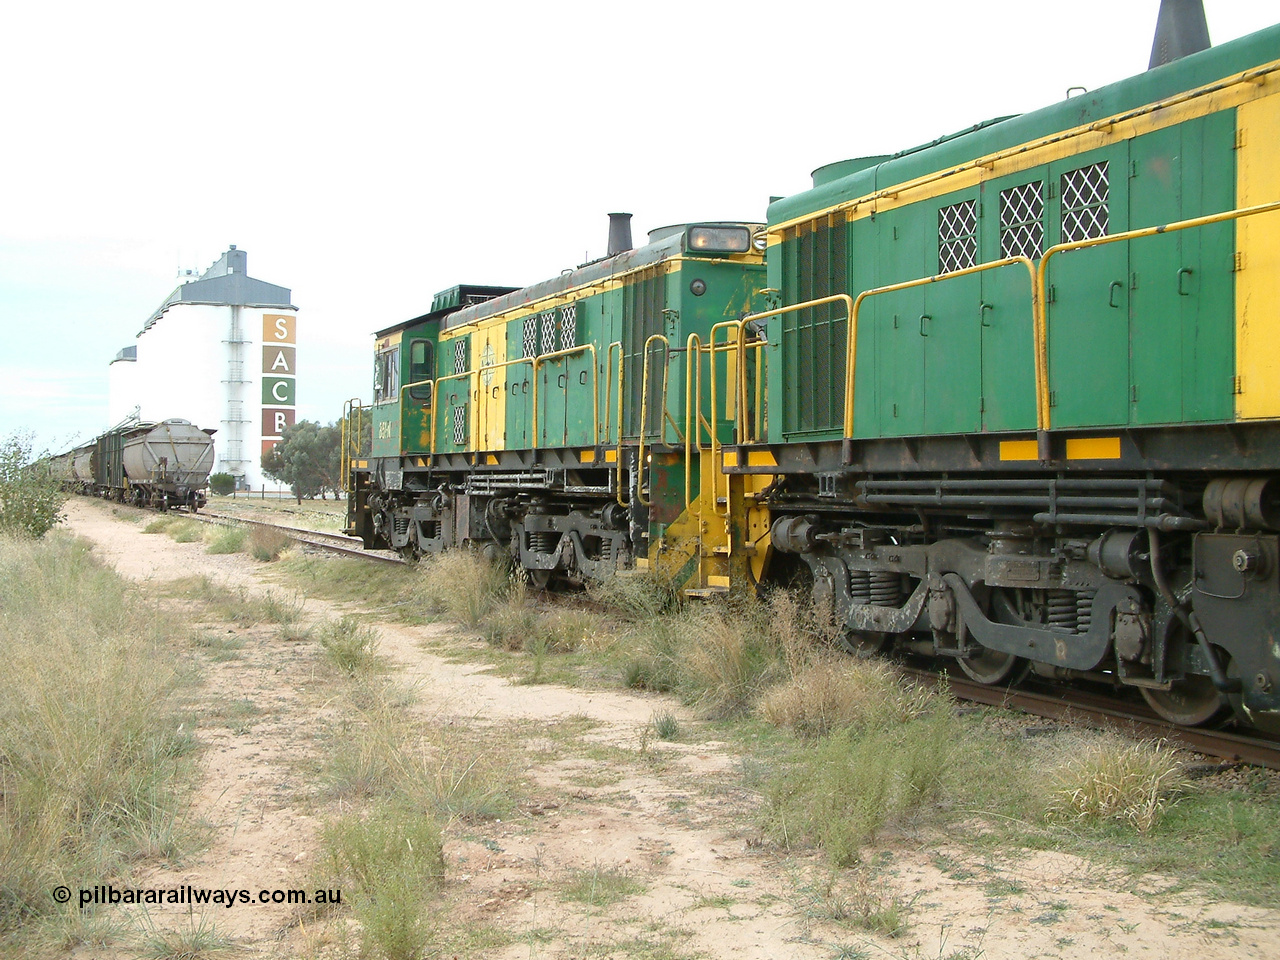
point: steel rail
(1073, 705)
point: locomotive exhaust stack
(619, 233)
(1181, 30)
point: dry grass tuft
(462, 586)
(267, 545)
(832, 693)
(1113, 779)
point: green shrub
(848, 787)
(31, 497)
(222, 483)
(350, 644)
(390, 865)
(226, 540)
(186, 531)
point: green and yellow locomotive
(569, 423)
(1010, 398)
(1024, 390)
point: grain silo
(220, 351)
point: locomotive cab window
(386, 375)
(421, 368)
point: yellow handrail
(608, 388)
(644, 408)
(435, 401)
(716, 445)
(618, 484)
(352, 408)
(1041, 277)
(852, 332)
(595, 385)
(692, 413)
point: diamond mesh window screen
(531, 335)
(459, 426)
(1022, 221)
(1085, 196)
(569, 326)
(958, 236)
(549, 332)
(460, 355)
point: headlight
(760, 240)
(719, 239)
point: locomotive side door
(1088, 294)
(1182, 327)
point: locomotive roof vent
(1181, 30)
(619, 233)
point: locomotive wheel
(992, 667)
(1191, 702)
(865, 643)
(410, 552)
(540, 578)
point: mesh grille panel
(531, 336)
(459, 426)
(643, 303)
(549, 332)
(1085, 196)
(460, 355)
(958, 236)
(1022, 221)
(816, 267)
(569, 326)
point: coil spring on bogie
(606, 549)
(860, 586)
(1061, 606)
(886, 589)
(400, 523)
(1084, 611)
(541, 541)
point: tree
(31, 497)
(222, 483)
(307, 458)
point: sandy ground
(675, 818)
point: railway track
(338, 543)
(1099, 711)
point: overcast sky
(369, 159)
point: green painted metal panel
(1156, 327)
(1087, 306)
(1208, 303)
(951, 330)
(1182, 333)
(386, 430)
(1007, 328)
(898, 318)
